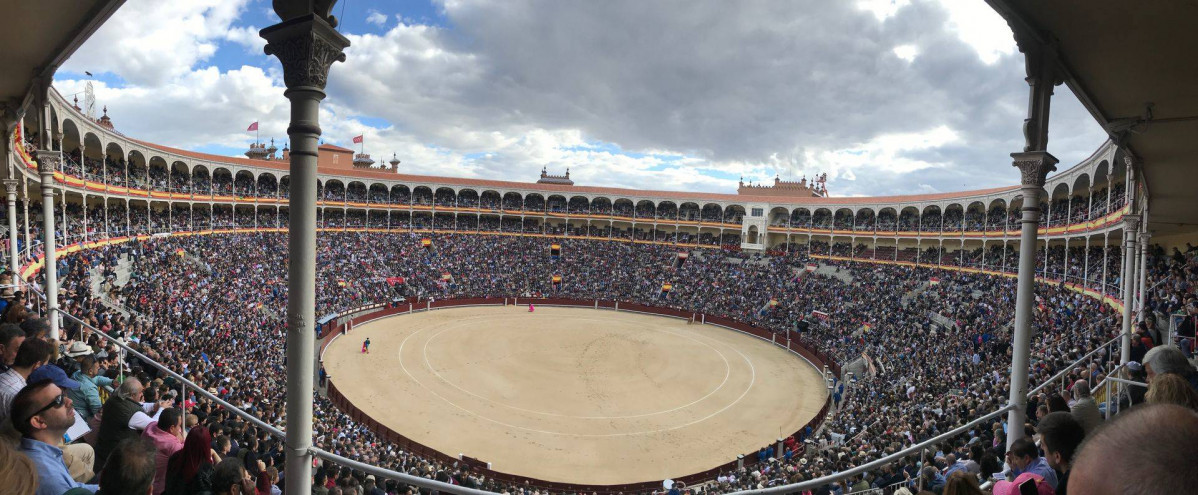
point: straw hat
(78, 349)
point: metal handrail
(1061, 374)
(457, 489)
(375, 470)
(832, 478)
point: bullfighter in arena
(531, 308)
(366, 346)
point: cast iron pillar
(1034, 167)
(47, 163)
(306, 45)
(1034, 164)
(10, 191)
(1143, 291)
(1131, 230)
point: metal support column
(1034, 167)
(47, 163)
(10, 191)
(1034, 164)
(1142, 301)
(1131, 229)
(306, 45)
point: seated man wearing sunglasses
(42, 412)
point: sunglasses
(54, 404)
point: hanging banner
(681, 259)
(555, 250)
(426, 243)
(811, 267)
(395, 280)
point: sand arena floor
(575, 395)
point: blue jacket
(87, 396)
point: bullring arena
(575, 395)
(872, 330)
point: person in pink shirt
(167, 436)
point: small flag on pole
(253, 127)
(357, 139)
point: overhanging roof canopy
(1121, 57)
(40, 35)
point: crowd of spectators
(197, 302)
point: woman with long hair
(1171, 388)
(189, 471)
(962, 483)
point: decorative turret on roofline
(547, 178)
(104, 121)
(363, 160)
(817, 188)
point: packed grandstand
(171, 272)
(195, 288)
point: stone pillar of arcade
(1034, 164)
(306, 45)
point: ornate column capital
(1131, 224)
(1145, 235)
(48, 161)
(1034, 166)
(306, 46)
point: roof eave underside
(1120, 57)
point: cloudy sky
(885, 96)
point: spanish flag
(555, 251)
(180, 252)
(426, 243)
(557, 279)
(446, 276)
(341, 283)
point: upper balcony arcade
(1086, 198)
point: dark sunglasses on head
(54, 404)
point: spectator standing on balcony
(33, 354)
(42, 414)
(1060, 436)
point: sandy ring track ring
(459, 402)
(460, 323)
